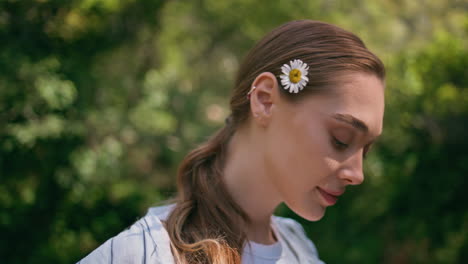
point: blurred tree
(64, 132)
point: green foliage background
(101, 99)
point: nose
(351, 172)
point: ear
(264, 97)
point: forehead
(357, 94)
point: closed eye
(339, 145)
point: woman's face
(315, 148)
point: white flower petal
(285, 69)
(298, 64)
(302, 84)
(294, 64)
(294, 88)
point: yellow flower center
(295, 75)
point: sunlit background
(101, 99)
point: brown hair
(206, 225)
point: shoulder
(294, 233)
(145, 241)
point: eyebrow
(349, 119)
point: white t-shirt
(147, 241)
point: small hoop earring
(251, 90)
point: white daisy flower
(294, 77)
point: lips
(330, 197)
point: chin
(311, 213)
(313, 217)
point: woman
(307, 105)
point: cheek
(313, 148)
(296, 157)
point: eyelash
(342, 146)
(339, 145)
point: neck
(250, 186)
